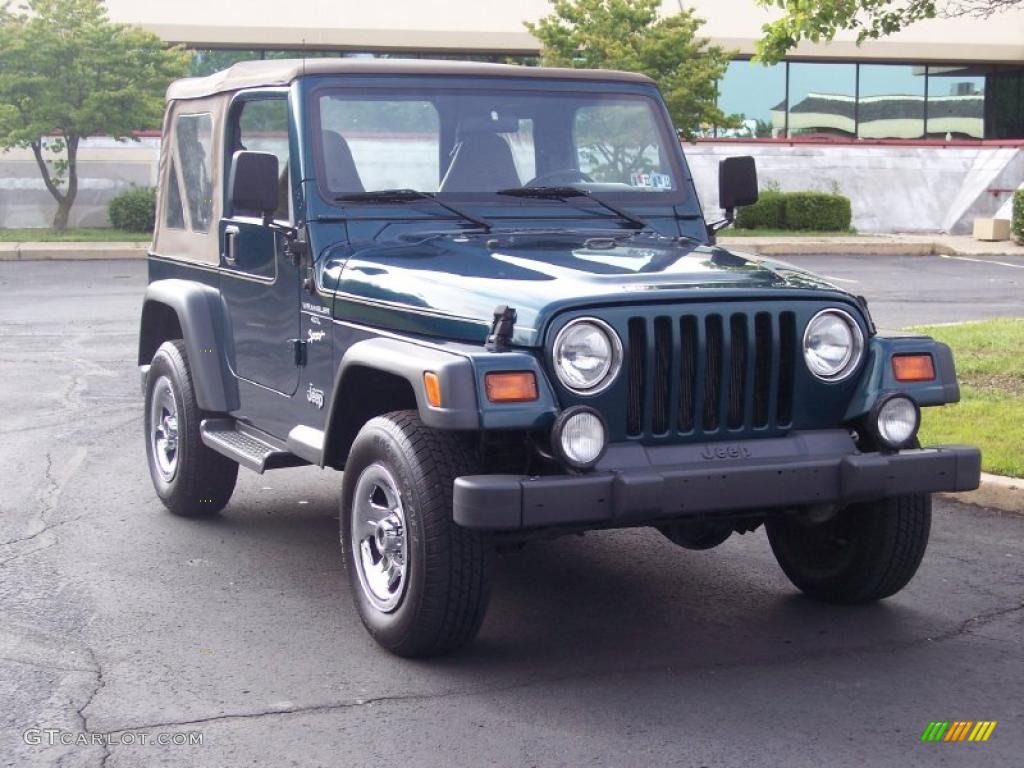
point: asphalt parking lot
(615, 649)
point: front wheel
(420, 582)
(866, 552)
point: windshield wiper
(565, 193)
(408, 196)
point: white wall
(105, 168)
(891, 188)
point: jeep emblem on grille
(712, 452)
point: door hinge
(299, 349)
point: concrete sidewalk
(871, 245)
(856, 245)
(71, 251)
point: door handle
(231, 233)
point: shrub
(1017, 227)
(767, 213)
(822, 211)
(134, 210)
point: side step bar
(250, 449)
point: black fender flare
(202, 320)
(406, 360)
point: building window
(890, 102)
(1007, 96)
(823, 100)
(956, 103)
(757, 95)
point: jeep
(488, 295)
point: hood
(448, 284)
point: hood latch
(500, 337)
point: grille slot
(705, 373)
(635, 394)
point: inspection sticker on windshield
(650, 180)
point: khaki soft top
(252, 74)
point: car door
(259, 283)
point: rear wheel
(191, 479)
(866, 552)
(419, 581)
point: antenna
(303, 57)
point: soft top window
(194, 139)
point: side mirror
(252, 184)
(737, 183)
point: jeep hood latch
(500, 337)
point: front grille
(710, 373)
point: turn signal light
(432, 385)
(913, 368)
(511, 387)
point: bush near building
(134, 210)
(767, 213)
(817, 211)
(823, 212)
(1017, 226)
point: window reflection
(822, 100)
(956, 103)
(752, 91)
(891, 102)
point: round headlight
(587, 355)
(833, 345)
(896, 421)
(579, 437)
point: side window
(175, 215)
(263, 127)
(194, 137)
(370, 144)
(619, 143)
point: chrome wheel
(379, 543)
(163, 428)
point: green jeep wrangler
(488, 294)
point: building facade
(923, 130)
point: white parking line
(982, 261)
(841, 279)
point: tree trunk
(60, 218)
(66, 199)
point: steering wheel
(558, 178)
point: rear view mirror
(737, 183)
(252, 184)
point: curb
(71, 251)
(1002, 493)
(812, 247)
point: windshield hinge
(500, 337)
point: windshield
(471, 143)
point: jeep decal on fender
(315, 396)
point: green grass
(990, 363)
(96, 235)
(784, 233)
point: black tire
(202, 480)
(867, 552)
(446, 576)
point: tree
(629, 35)
(67, 73)
(817, 20)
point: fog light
(896, 420)
(579, 437)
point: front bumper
(634, 484)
